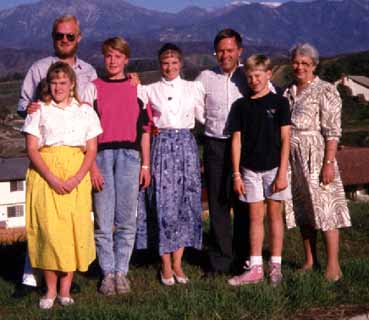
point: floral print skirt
(169, 211)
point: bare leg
(256, 228)
(51, 279)
(276, 227)
(65, 283)
(177, 262)
(333, 271)
(166, 266)
(309, 241)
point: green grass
(204, 298)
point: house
(358, 85)
(12, 192)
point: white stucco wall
(9, 199)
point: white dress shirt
(71, 126)
(175, 104)
(38, 71)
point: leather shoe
(22, 291)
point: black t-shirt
(260, 121)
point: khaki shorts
(258, 186)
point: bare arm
(145, 175)
(97, 179)
(238, 185)
(40, 165)
(89, 159)
(327, 173)
(281, 181)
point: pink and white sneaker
(254, 275)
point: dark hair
(170, 49)
(227, 33)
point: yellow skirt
(59, 227)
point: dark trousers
(218, 176)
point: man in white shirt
(66, 35)
(223, 85)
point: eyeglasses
(60, 36)
(302, 64)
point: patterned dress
(169, 211)
(316, 118)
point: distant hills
(333, 26)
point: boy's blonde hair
(257, 62)
(116, 43)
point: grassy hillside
(9, 94)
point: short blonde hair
(116, 43)
(54, 71)
(66, 18)
(258, 61)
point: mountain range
(333, 26)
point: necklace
(303, 86)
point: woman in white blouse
(61, 144)
(175, 192)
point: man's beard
(65, 55)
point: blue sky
(163, 5)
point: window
(16, 185)
(15, 211)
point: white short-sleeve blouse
(71, 126)
(175, 104)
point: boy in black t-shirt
(260, 150)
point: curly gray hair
(305, 49)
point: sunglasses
(60, 36)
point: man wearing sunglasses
(66, 35)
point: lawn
(301, 296)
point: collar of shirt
(76, 65)
(172, 83)
(293, 89)
(230, 75)
(73, 103)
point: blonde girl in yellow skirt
(61, 144)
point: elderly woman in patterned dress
(318, 197)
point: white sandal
(65, 301)
(46, 303)
(181, 280)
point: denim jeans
(116, 205)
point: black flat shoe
(21, 291)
